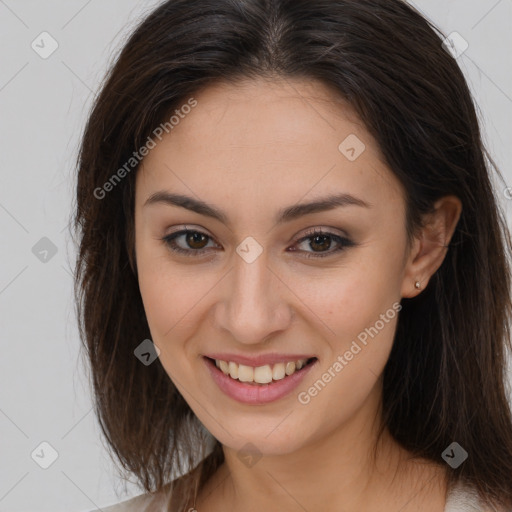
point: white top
(459, 499)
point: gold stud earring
(417, 285)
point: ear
(430, 246)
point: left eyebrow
(284, 215)
(320, 205)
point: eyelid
(322, 230)
(190, 227)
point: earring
(417, 285)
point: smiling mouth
(261, 375)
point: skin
(251, 149)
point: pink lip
(260, 360)
(257, 394)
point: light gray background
(44, 394)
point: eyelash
(169, 240)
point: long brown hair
(446, 375)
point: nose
(254, 305)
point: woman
(292, 278)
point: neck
(350, 468)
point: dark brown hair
(445, 380)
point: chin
(263, 438)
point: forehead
(272, 141)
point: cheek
(358, 305)
(363, 323)
(359, 322)
(172, 294)
(172, 302)
(350, 298)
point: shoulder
(151, 502)
(464, 498)
(138, 503)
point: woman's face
(256, 285)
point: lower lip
(257, 394)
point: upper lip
(258, 360)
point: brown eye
(196, 240)
(320, 242)
(188, 242)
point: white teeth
(245, 373)
(233, 370)
(261, 374)
(278, 371)
(290, 368)
(224, 367)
